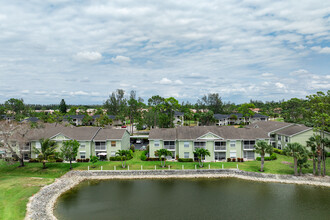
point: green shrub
(278, 151)
(273, 156)
(132, 148)
(152, 159)
(186, 160)
(328, 154)
(60, 160)
(228, 159)
(118, 158)
(33, 160)
(143, 155)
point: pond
(225, 198)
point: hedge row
(186, 160)
(272, 157)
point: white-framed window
(219, 145)
(186, 155)
(82, 155)
(186, 144)
(38, 145)
(279, 137)
(286, 139)
(26, 156)
(279, 145)
(100, 146)
(113, 153)
(82, 146)
(233, 144)
(249, 155)
(156, 143)
(199, 144)
(232, 154)
(113, 143)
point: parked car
(138, 141)
(143, 148)
(124, 126)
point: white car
(138, 141)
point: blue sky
(84, 50)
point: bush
(33, 160)
(143, 155)
(152, 159)
(328, 154)
(278, 151)
(228, 159)
(240, 159)
(186, 160)
(273, 156)
(233, 160)
(60, 160)
(132, 148)
(118, 158)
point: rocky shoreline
(41, 205)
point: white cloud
(26, 91)
(40, 92)
(280, 85)
(267, 74)
(178, 82)
(165, 81)
(120, 59)
(88, 56)
(323, 50)
(79, 93)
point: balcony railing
(220, 148)
(248, 147)
(169, 147)
(26, 149)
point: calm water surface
(193, 199)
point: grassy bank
(18, 184)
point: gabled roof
(193, 133)
(269, 126)
(109, 133)
(293, 130)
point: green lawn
(18, 184)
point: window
(279, 137)
(156, 144)
(82, 155)
(220, 145)
(232, 143)
(286, 139)
(100, 146)
(232, 154)
(27, 146)
(279, 146)
(38, 145)
(186, 154)
(249, 155)
(113, 143)
(113, 153)
(26, 157)
(199, 144)
(249, 145)
(169, 145)
(82, 146)
(219, 155)
(186, 144)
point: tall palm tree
(312, 144)
(48, 148)
(294, 149)
(200, 152)
(162, 154)
(123, 154)
(262, 147)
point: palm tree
(302, 161)
(294, 149)
(312, 144)
(48, 148)
(162, 154)
(200, 152)
(123, 154)
(262, 147)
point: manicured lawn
(18, 184)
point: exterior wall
(303, 137)
(182, 149)
(152, 147)
(125, 141)
(87, 149)
(111, 149)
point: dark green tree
(262, 147)
(200, 153)
(162, 154)
(245, 110)
(69, 150)
(62, 107)
(48, 148)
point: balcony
(248, 147)
(220, 148)
(169, 147)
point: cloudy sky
(83, 50)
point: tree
(48, 148)
(245, 110)
(319, 104)
(162, 154)
(133, 108)
(200, 152)
(302, 159)
(16, 107)
(212, 101)
(295, 150)
(87, 120)
(313, 143)
(62, 107)
(15, 137)
(103, 121)
(69, 150)
(94, 160)
(123, 154)
(116, 104)
(155, 102)
(262, 147)
(294, 110)
(206, 118)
